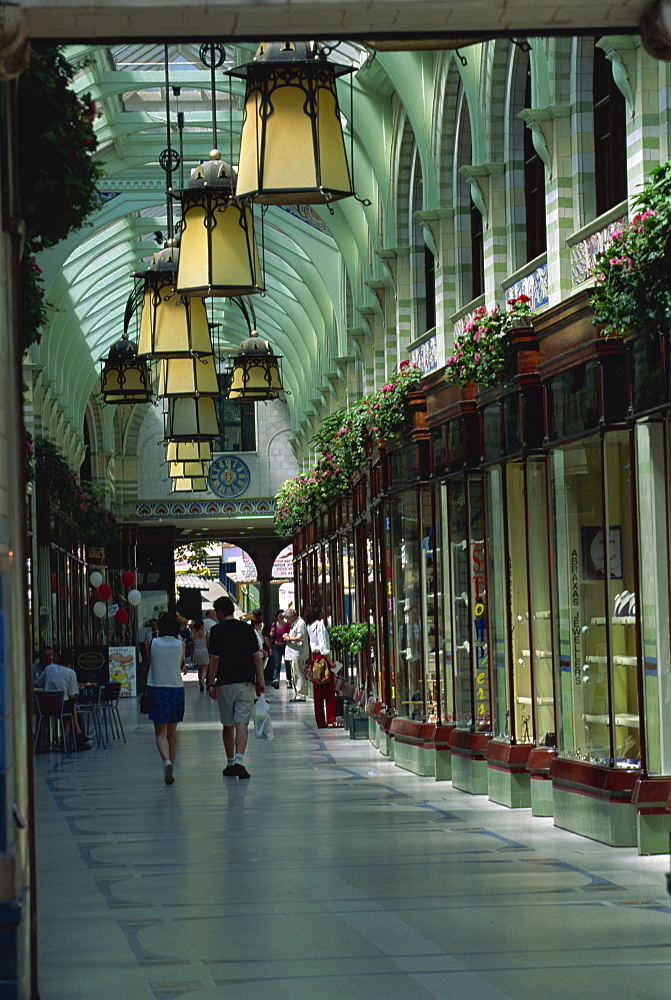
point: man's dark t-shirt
(235, 643)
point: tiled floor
(331, 875)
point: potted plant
(632, 292)
(483, 353)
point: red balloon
(104, 591)
(121, 616)
(128, 578)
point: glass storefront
(596, 601)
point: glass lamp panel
(189, 451)
(172, 326)
(191, 418)
(188, 470)
(218, 254)
(254, 377)
(126, 383)
(285, 157)
(198, 485)
(188, 377)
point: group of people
(57, 673)
(230, 654)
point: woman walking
(201, 657)
(165, 688)
(320, 646)
(278, 629)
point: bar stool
(109, 704)
(49, 711)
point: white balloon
(96, 578)
(99, 609)
(134, 597)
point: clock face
(229, 476)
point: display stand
(423, 748)
(595, 801)
(538, 766)
(469, 762)
(508, 780)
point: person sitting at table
(60, 676)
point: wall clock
(229, 476)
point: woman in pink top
(278, 629)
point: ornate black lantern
(256, 372)
(172, 325)
(292, 150)
(125, 378)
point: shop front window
(541, 619)
(469, 606)
(596, 601)
(410, 699)
(429, 616)
(444, 607)
(653, 608)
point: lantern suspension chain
(213, 55)
(169, 159)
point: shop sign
(122, 668)
(576, 628)
(477, 571)
(91, 664)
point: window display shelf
(542, 614)
(617, 620)
(624, 719)
(539, 654)
(625, 661)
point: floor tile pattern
(332, 874)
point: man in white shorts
(235, 675)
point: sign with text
(123, 668)
(91, 664)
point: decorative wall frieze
(151, 509)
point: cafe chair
(88, 710)
(109, 705)
(51, 721)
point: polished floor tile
(331, 875)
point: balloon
(99, 609)
(96, 578)
(104, 591)
(128, 578)
(121, 616)
(134, 597)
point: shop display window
(540, 639)
(410, 695)
(444, 607)
(648, 378)
(428, 613)
(468, 605)
(653, 610)
(596, 601)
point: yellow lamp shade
(218, 252)
(196, 485)
(189, 451)
(256, 373)
(125, 378)
(172, 325)
(292, 150)
(191, 418)
(188, 376)
(188, 470)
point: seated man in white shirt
(61, 677)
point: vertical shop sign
(576, 630)
(477, 571)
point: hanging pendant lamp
(189, 451)
(172, 325)
(125, 378)
(292, 150)
(191, 418)
(218, 252)
(256, 373)
(188, 377)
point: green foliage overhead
(195, 555)
(84, 502)
(482, 353)
(57, 176)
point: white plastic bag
(263, 727)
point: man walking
(297, 652)
(235, 675)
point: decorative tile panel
(534, 284)
(205, 508)
(583, 254)
(424, 356)
(460, 324)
